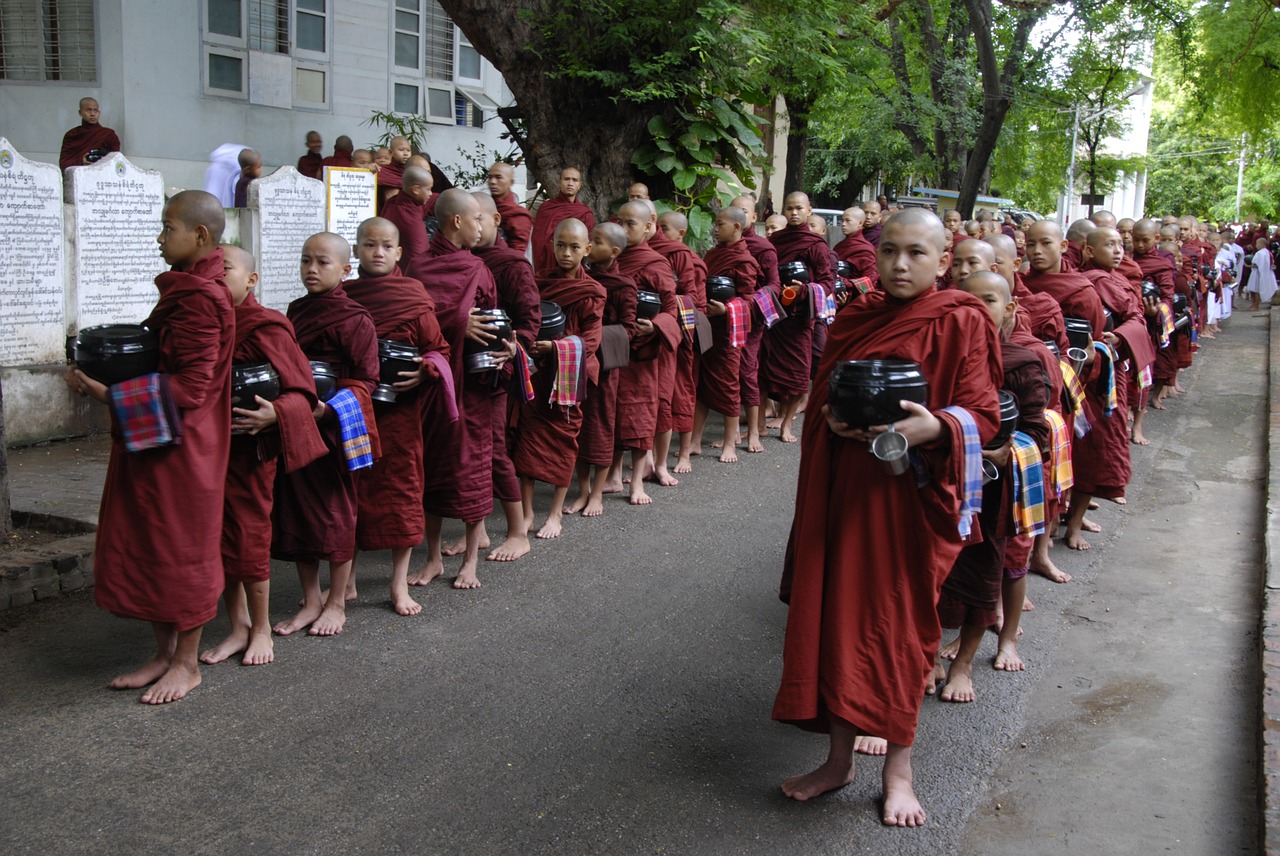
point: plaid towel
(861, 285)
(1028, 486)
(824, 305)
(971, 496)
(1075, 390)
(1146, 378)
(1061, 476)
(688, 315)
(767, 304)
(738, 318)
(1165, 320)
(147, 415)
(446, 381)
(1107, 382)
(356, 447)
(567, 389)
(524, 371)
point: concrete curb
(60, 567)
(1269, 732)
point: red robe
(872, 234)
(868, 551)
(458, 482)
(676, 403)
(1159, 268)
(653, 361)
(81, 140)
(390, 178)
(310, 165)
(550, 214)
(599, 411)
(547, 435)
(719, 384)
(1073, 293)
(1132, 272)
(315, 511)
(390, 493)
(749, 370)
(157, 555)
(341, 160)
(787, 354)
(408, 218)
(516, 224)
(857, 251)
(1072, 258)
(265, 335)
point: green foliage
(1187, 172)
(1233, 66)
(478, 161)
(410, 126)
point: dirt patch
(21, 540)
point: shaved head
(343, 144)
(613, 234)
(856, 213)
(979, 249)
(240, 256)
(197, 208)
(573, 227)
(1045, 227)
(377, 224)
(454, 202)
(797, 196)
(919, 217)
(1100, 235)
(415, 176)
(987, 279)
(485, 201)
(638, 191)
(1001, 244)
(675, 220)
(1103, 219)
(331, 241)
(1146, 226)
(1079, 230)
(638, 208)
(734, 214)
(248, 158)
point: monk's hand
(999, 457)
(430, 370)
(320, 408)
(505, 353)
(253, 421)
(82, 384)
(920, 426)
(842, 429)
(1150, 307)
(479, 328)
(1090, 354)
(541, 348)
(644, 328)
(1111, 338)
(410, 380)
(842, 299)
(714, 308)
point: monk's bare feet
(550, 529)
(457, 548)
(512, 548)
(1089, 526)
(1076, 541)
(614, 486)
(1176, 389)
(638, 496)
(401, 602)
(901, 808)
(429, 572)
(663, 477)
(773, 423)
(1139, 439)
(261, 650)
(684, 465)
(936, 675)
(1027, 605)
(949, 650)
(1157, 403)
(716, 444)
(174, 684)
(754, 445)
(593, 508)
(865, 744)
(1007, 659)
(1120, 500)
(1050, 571)
(729, 455)
(304, 618)
(351, 595)
(330, 623)
(959, 686)
(787, 437)
(148, 673)
(578, 504)
(467, 578)
(832, 775)
(236, 642)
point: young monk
(517, 224)
(774, 223)
(718, 382)
(315, 510)
(599, 411)
(854, 248)
(874, 222)
(266, 431)
(86, 137)
(382, 157)
(862, 629)
(250, 168)
(390, 515)
(552, 212)
(164, 565)
(391, 173)
(405, 211)
(546, 444)
(363, 159)
(749, 370)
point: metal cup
(1077, 356)
(891, 447)
(990, 472)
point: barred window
(47, 40)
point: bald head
(1103, 219)
(746, 203)
(239, 256)
(377, 225)
(455, 202)
(573, 228)
(485, 201)
(986, 280)
(916, 217)
(1146, 226)
(1006, 255)
(195, 208)
(734, 214)
(636, 208)
(1101, 235)
(328, 242)
(1044, 228)
(612, 234)
(249, 158)
(638, 191)
(343, 144)
(1079, 230)
(416, 176)
(675, 220)
(797, 197)
(1170, 232)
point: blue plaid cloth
(146, 413)
(1028, 485)
(1107, 380)
(971, 496)
(764, 301)
(356, 447)
(824, 305)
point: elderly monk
(89, 141)
(517, 224)
(550, 213)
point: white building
(177, 79)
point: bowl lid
(648, 297)
(117, 339)
(399, 350)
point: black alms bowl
(720, 289)
(253, 379)
(1079, 333)
(393, 358)
(552, 322)
(112, 353)
(497, 318)
(648, 305)
(1053, 347)
(867, 392)
(1150, 291)
(1008, 419)
(797, 270)
(845, 269)
(326, 380)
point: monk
(719, 387)
(391, 174)
(774, 223)
(518, 296)
(363, 159)
(162, 563)
(405, 212)
(1157, 267)
(341, 157)
(89, 141)
(250, 168)
(854, 248)
(315, 510)
(1103, 219)
(1125, 227)
(458, 452)
(546, 446)
(1073, 256)
(862, 629)
(749, 369)
(873, 224)
(599, 411)
(517, 224)
(637, 191)
(390, 515)
(312, 162)
(788, 345)
(550, 213)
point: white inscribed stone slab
(32, 326)
(288, 208)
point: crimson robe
(858, 251)
(390, 494)
(157, 552)
(458, 482)
(1158, 267)
(677, 403)
(315, 510)
(311, 165)
(1074, 294)
(407, 216)
(749, 369)
(339, 160)
(550, 215)
(719, 384)
(390, 179)
(868, 551)
(516, 224)
(653, 360)
(240, 197)
(81, 140)
(787, 353)
(1132, 272)
(1072, 257)
(872, 234)
(599, 411)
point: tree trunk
(797, 143)
(6, 516)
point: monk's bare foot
(1157, 404)
(578, 504)
(1076, 541)
(1139, 439)
(593, 508)
(304, 618)
(1089, 526)
(228, 648)
(865, 744)
(1177, 389)
(467, 578)
(831, 776)
(330, 623)
(901, 808)
(787, 437)
(773, 423)
(717, 444)
(729, 455)
(457, 548)
(351, 595)
(959, 686)
(638, 496)
(148, 673)
(683, 465)
(755, 446)
(174, 684)
(403, 604)
(614, 486)
(1027, 605)
(512, 548)
(429, 572)
(1120, 500)
(550, 529)
(1207, 335)
(1007, 659)
(1050, 571)
(664, 478)
(1093, 505)
(261, 650)
(936, 675)
(949, 650)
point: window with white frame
(298, 29)
(422, 60)
(48, 40)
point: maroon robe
(749, 370)
(407, 216)
(787, 353)
(390, 179)
(1159, 267)
(315, 510)
(157, 554)
(310, 165)
(599, 411)
(547, 435)
(458, 483)
(516, 223)
(550, 215)
(677, 402)
(1072, 258)
(719, 384)
(857, 251)
(868, 551)
(390, 494)
(653, 360)
(1074, 294)
(81, 140)
(872, 234)
(339, 160)
(240, 197)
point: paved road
(611, 693)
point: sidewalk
(63, 478)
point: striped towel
(1146, 379)
(824, 305)
(1028, 486)
(356, 447)
(1164, 318)
(567, 389)
(447, 389)
(1107, 382)
(688, 315)
(146, 413)
(861, 285)
(1075, 390)
(738, 318)
(767, 304)
(1061, 476)
(524, 371)
(971, 496)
